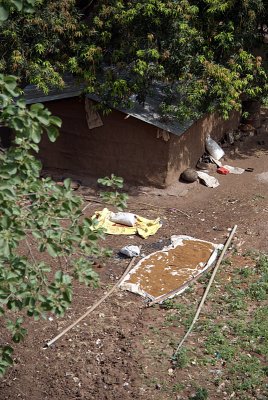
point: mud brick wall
(126, 147)
(185, 150)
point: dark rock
(189, 175)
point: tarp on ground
(143, 226)
(168, 272)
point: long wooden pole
(93, 307)
(207, 289)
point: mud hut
(136, 144)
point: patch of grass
(259, 290)
(226, 261)
(246, 272)
(204, 278)
(265, 370)
(229, 343)
(178, 387)
(240, 342)
(183, 316)
(234, 250)
(155, 330)
(219, 346)
(247, 372)
(173, 320)
(170, 304)
(188, 319)
(251, 253)
(201, 394)
(262, 264)
(190, 289)
(181, 359)
(235, 298)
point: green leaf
(43, 119)
(34, 147)
(58, 276)
(37, 107)
(52, 133)
(18, 4)
(7, 191)
(56, 121)
(4, 99)
(67, 183)
(21, 103)
(31, 2)
(4, 175)
(37, 234)
(18, 123)
(6, 249)
(11, 85)
(36, 134)
(4, 13)
(52, 249)
(5, 222)
(11, 169)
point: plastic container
(223, 171)
(214, 149)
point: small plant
(201, 394)
(251, 253)
(178, 387)
(262, 263)
(5, 358)
(227, 261)
(170, 305)
(245, 272)
(180, 359)
(259, 290)
(114, 197)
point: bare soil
(115, 353)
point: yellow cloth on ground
(143, 226)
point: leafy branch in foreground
(114, 196)
(38, 218)
(9, 6)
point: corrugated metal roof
(72, 88)
(147, 112)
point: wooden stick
(147, 205)
(207, 289)
(160, 208)
(182, 212)
(84, 209)
(93, 307)
(93, 200)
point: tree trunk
(253, 108)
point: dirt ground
(115, 352)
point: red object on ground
(223, 171)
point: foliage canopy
(207, 54)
